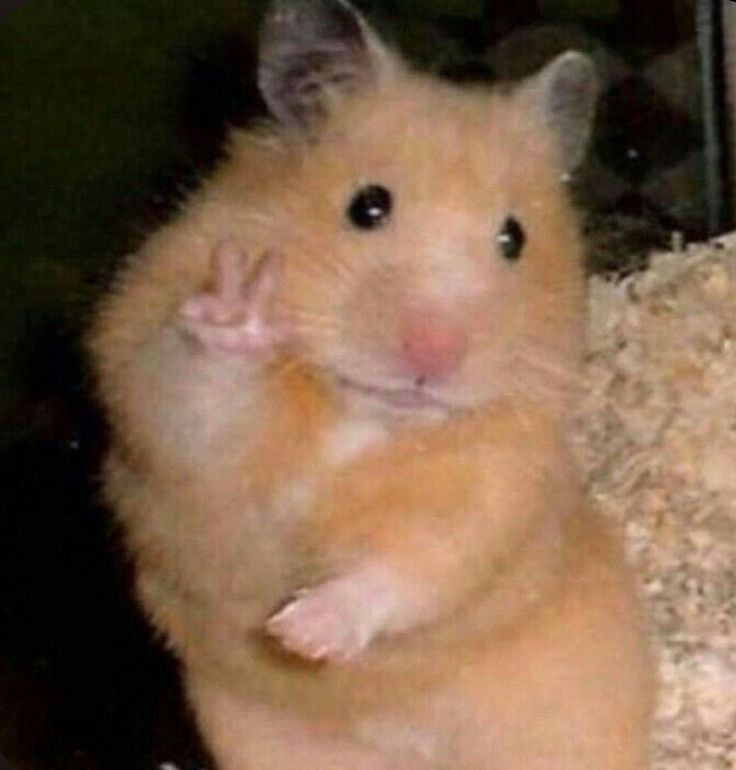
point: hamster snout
(431, 347)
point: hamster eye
(510, 239)
(370, 207)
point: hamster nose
(432, 349)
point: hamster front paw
(319, 625)
(231, 318)
(335, 621)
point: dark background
(110, 110)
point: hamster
(338, 385)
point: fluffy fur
(350, 577)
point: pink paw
(232, 317)
(322, 624)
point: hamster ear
(564, 94)
(310, 51)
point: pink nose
(430, 348)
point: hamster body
(338, 384)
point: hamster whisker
(305, 314)
(533, 388)
(542, 362)
(536, 371)
(320, 265)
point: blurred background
(110, 111)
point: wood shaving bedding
(656, 434)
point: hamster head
(432, 262)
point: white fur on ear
(310, 50)
(565, 93)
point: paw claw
(316, 625)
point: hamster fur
(339, 456)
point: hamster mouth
(403, 399)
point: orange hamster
(338, 385)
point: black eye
(511, 239)
(370, 207)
